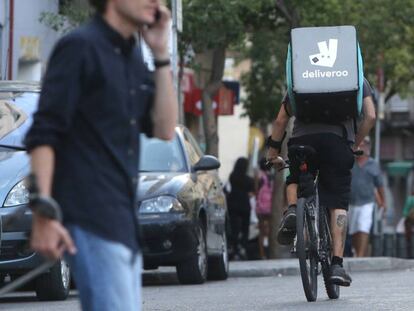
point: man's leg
(362, 227)
(292, 194)
(355, 243)
(287, 228)
(106, 273)
(362, 240)
(339, 221)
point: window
(193, 149)
(161, 156)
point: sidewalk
(284, 267)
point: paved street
(370, 291)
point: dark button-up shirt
(96, 98)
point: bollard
(410, 247)
(388, 245)
(377, 248)
(401, 246)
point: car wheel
(218, 266)
(194, 270)
(54, 285)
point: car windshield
(16, 110)
(161, 156)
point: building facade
(26, 42)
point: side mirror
(206, 163)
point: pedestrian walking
(264, 205)
(97, 96)
(238, 201)
(366, 179)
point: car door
(214, 199)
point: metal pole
(380, 116)
(174, 7)
(377, 139)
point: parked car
(182, 209)
(18, 101)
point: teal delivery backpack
(324, 74)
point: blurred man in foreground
(97, 97)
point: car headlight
(18, 195)
(161, 204)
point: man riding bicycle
(334, 145)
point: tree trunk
(278, 206)
(215, 70)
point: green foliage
(73, 13)
(263, 85)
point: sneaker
(339, 276)
(287, 228)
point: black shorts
(334, 160)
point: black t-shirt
(302, 128)
(241, 186)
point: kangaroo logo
(327, 55)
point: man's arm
(43, 163)
(278, 131)
(57, 104)
(48, 236)
(165, 109)
(368, 122)
(381, 197)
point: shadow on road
(19, 297)
(155, 278)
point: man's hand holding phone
(156, 35)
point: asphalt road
(391, 290)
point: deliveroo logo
(325, 58)
(327, 54)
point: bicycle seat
(302, 151)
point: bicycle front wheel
(306, 251)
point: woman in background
(238, 201)
(264, 205)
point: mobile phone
(157, 17)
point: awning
(400, 168)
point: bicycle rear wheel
(306, 251)
(326, 247)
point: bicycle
(313, 241)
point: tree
(72, 13)
(211, 28)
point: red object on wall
(223, 101)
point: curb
(283, 267)
(286, 267)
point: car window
(161, 156)
(193, 150)
(16, 110)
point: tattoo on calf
(341, 221)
